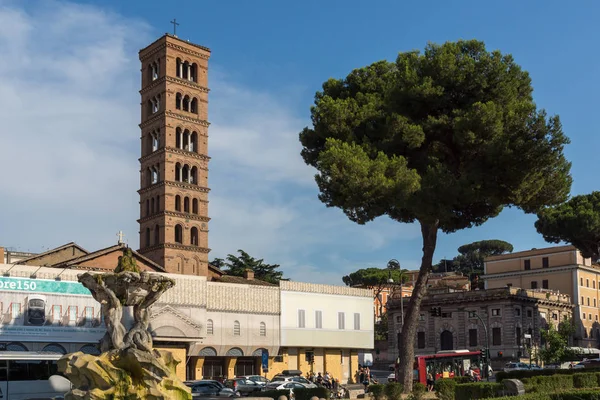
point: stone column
(230, 366)
(199, 364)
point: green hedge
(571, 395)
(480, 390)
(583, 380)
(392, 390)
(445, 388)
(501, 375)
(306, 394)
(462, 379)
(376, 391)
(274, 394)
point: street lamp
(394, 264)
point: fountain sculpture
(128, 367)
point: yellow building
(560, 268)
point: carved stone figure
(128, 367)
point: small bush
(481, 390)
(575, 395)
(393, 390)
(376, 391)
(445, 388)
(418, 391)
(520, 374)
(553, 383)
(462, 379)
(274, 394)
(584, 380)
(306, 394)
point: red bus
(446, 364)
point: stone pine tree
(577, 222)
(445, 139)
(236, 265)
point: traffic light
(483, 355)
(500, 354)
(436, 311)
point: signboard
(41, 286)
(265, 360)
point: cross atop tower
(120, 235)
(175, 24)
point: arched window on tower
(155, 140)
(178, 203)
(185, 173)
(194, 72)
(147, 207)
(186, 103)
(157, 203)
(178, 138)
(186, 140)
(194, 142)
(147, 237)
(152, 205)
(194, 175)
(178, 234)
(178, 66)
(236, 328)
(186, 204)
(177, 172)
(195, 206)
(149, 177)
(186, 70)
(194, 236)
(154, 172)
(156, 235)
(194, 106)
(178, 101)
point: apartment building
(558, 269)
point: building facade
(560, 269)
(508, 314)
(323, 328)
(174, 155)
(217, 329)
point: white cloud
(70, 108)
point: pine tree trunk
(409, 330)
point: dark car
(209, 389)
(261, 380)
(243, 386)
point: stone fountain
(128, 367)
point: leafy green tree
(472, 255)
(376, 279)
(445, 139)
(381, 328)
(577, 222)
(236, 265)
(556, 342)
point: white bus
(31, 375)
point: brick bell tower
(174, 162)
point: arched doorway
(446, 341)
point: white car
(515, 366)
(391, 377)
(298, 379)
(281, 385)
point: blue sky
(70, 109)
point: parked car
(243, 386)
(285, 385)
(260, 380)
(515, 366)
(298, 379)
(209, 388)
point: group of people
(365, 377)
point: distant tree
(445, 265)
(471, 258)
(236, 265)
(218, 263)
(576, 222)
(381, 328)
(556, 342)
(446, 139)
(376, 279)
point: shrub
(481, 390)
(462, 379)
(306, 394)
(376, 391)
(584, 380)
(418, 391)
(445, 389)
(576, 395)
(554, 383)
(393, 390)
(274, 394)
(520, 374)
